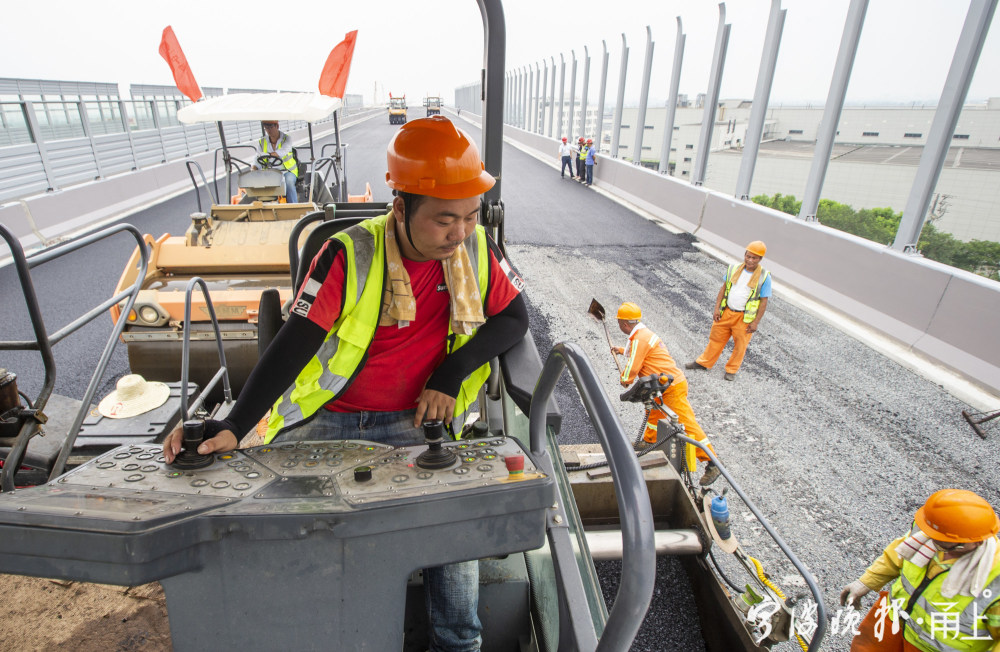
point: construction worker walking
(946, 593)
(739, 308)
(647, 354)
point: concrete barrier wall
(946, 314)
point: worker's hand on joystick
(433, 406)
(225, 440)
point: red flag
(171, 51)
(333, 79)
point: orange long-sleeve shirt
(647, 354)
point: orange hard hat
(958, 516)
(757, 248)
(629, 311)
(433, 157)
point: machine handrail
(43, 341)
(223, 371)
(638, 546)
(204, 182)
(342, 177)
(316, 168)
(820, 632)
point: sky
(431, 47)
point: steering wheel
(269, 160)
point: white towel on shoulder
(969, 573)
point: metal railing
(47, 145)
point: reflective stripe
(329, 373)
(288, 160)
(627, 371)
(965, 614)
(753, 301)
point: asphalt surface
(835, 444)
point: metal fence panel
(21, 172)
(72, 161)
(148, 149)
(114, 151)
(174, 143)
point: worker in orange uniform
(946, 593)
(739, 307)
(647, 354)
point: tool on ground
(976, 419)
(597, 310)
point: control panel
(340, 523)
(352, 472)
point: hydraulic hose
(763, 578)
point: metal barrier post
(640, 119)
(675, 80)
(758, 110)
(617, 128)
(711, 99)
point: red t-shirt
(400, 360)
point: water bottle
(720, 517)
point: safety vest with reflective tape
(288, 160)
(330, 372)
(941, 616)
(753, 302)
(583, 152)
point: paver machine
(333, 528)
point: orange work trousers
(867, 641)
(675, 397)
(731, 325)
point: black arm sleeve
(291, 349)
(500, 332)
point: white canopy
(261, 106)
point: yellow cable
(763, 578)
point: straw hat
(133, 396)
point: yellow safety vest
(332, 370)
(583, 152)
(957, 623)
(288, 160)
(753, 302)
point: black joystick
(436, 456)
(190, 458)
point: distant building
(877, 149)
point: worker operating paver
(945, 575)
(647, 354)
(394, 325)
(739, 307)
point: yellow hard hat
(629, 311)
(757, 248)
(957, 515)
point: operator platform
(290, 545)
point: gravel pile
(835, 444)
